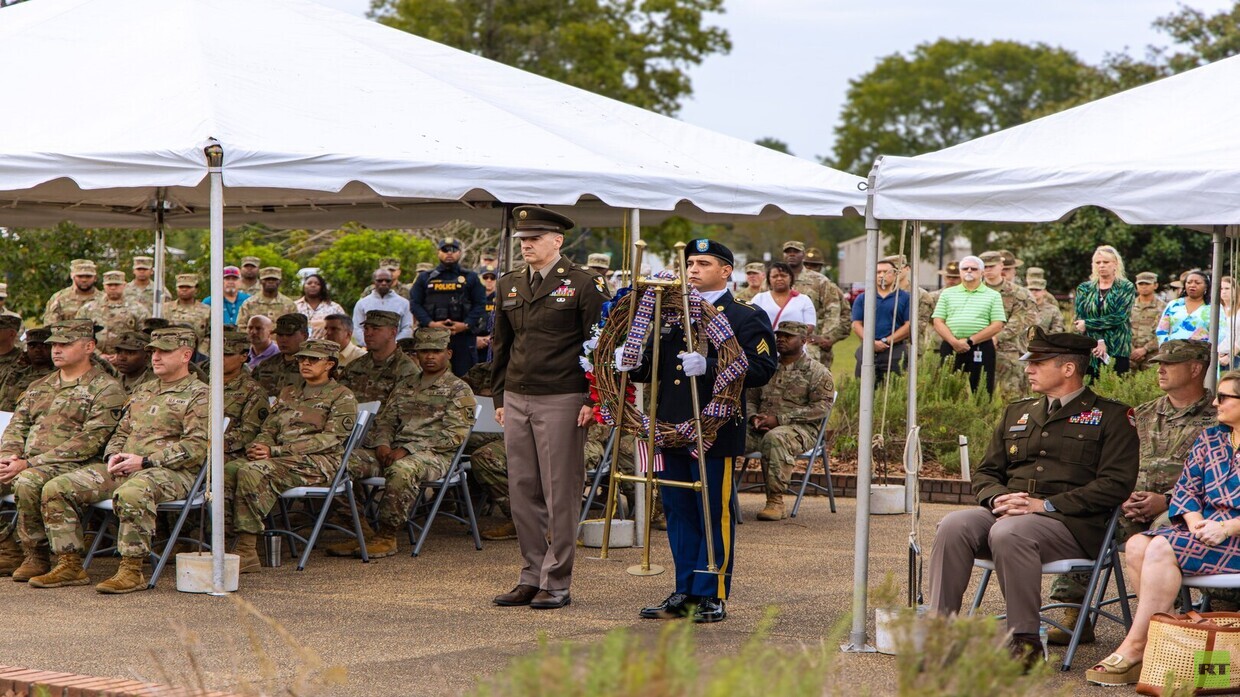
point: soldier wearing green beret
(189, 310)
(270, 302)
(432, 414)
(115, 312)
(65, 303)
(154, 455)
(36, 363)
(278, 372)
(785, 414)
(59, 424)
(131, 360)
(300, 444)
(1056, 468)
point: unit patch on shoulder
(601, 285)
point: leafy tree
(774, 144)
(348, 264)
(1206, 38)
(634, 51)
(948, 92)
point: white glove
(694, 363)
(621, 365)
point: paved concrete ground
(404, 626)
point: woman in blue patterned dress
(1204, 537)
(1103, 306)
(1188, 316)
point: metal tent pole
(865, 435)
(215, 165)
(914, 339)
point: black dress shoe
(550, 600)
(521, 595)
(1027, 649)
(709, 610)
(674, 607)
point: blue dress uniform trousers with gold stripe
(686, 525)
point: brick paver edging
(932, 490)
(24, 682)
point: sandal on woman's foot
(1114, 670)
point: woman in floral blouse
(1104, 309)
(1188, 317)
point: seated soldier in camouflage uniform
(300, 444)
(154, 456)
(375, 375)
(131, 360)
(1167, 428)
(59, 424)
(784, 415)
(36, 363)
(279, 372)
(245, 401)
(434, 413)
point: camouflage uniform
(372, 380)
(65, 303)
(129, 383)
(194, 315)
(833, 310)
(18, 379)
(1144, 320)
(1050, 318)
(142, 296)
(930, 339)
(799, 395)
(116, 317)
(166, 422)
(259, 304)
(246, 407)
(57, 426)
(306, 432)
(432, 418)
(277, 373)
(9, 361)
(1022, 315)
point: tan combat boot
(774, 508)
(1058, 637)
(128, 578)
(11, 555)
(383, 544)
(503, 531)
(67, 572)
(247, 549)
(35, 562)
(350, 548)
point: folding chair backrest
(486, 423)
(371, 407)
(820, 441)
(460, 449)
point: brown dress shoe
(550, 600)
(521, 595)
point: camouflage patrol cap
(185, 280)
(11, 322)
(144, 262)
(1009, 259)
(4, 290)
(533, 221)
(70, 330)
(755, 267)
(292, 323)
(381, 318)
(319, 348)
(150, 324)
(1035, 283)
(479, 378)
(1035, 272)
(814, 255)
(1178, 285)
(1147, 277)
(991, 258)
(794, 244)
(793, 328)
(82, 267)
(251, 261)
(114, 278)
(390, 263)
(131, 341)
(423, 267)
(270, 272)
(952, 270)
(1181, 350)
(38, 335)
(1043, 345)
(431, 339)
(235, 342)
(407, 345)
(172, 338)
(598, 261)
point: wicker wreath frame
(607, 379)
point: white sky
(791, 60)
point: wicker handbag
(1202, 650)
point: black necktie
(536, 282)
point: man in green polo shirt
(968, 316)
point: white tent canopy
(326, 118)
(1165, 153)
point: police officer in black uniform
(452, 298)
(709, 268)
(486, 325)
